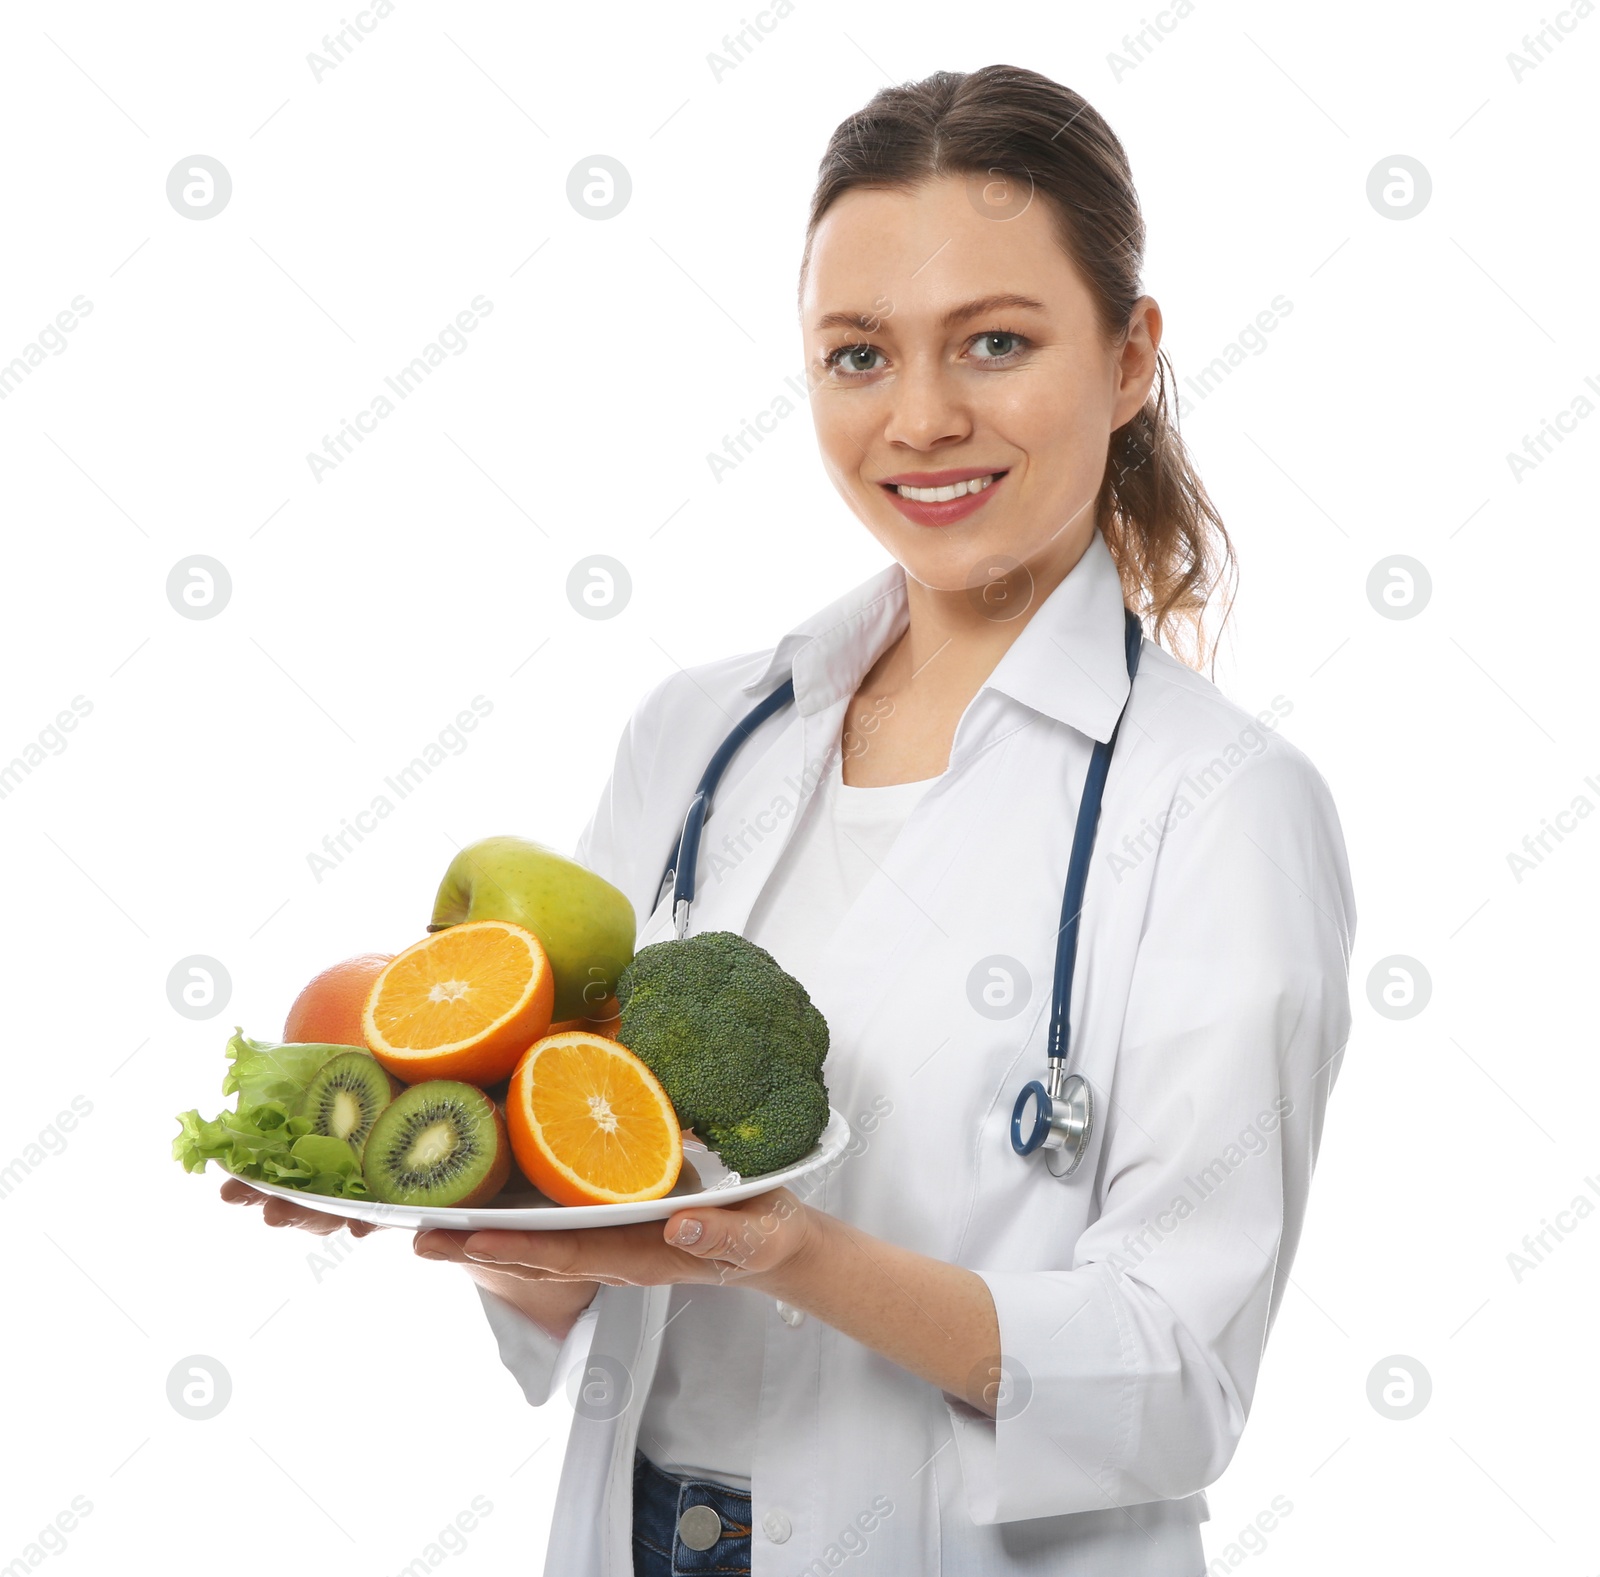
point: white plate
(704, 1179)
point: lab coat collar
(1067, 664)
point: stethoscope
(1062, 1105)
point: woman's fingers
(289, 1213)
(450, 1247)
(699, 1243)
(438, 1244)
(282, 1213)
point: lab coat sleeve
(540, 1362)
(1128, 1377)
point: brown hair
(1015, 126)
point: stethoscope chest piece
(1061, 1119)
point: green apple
(586, 924)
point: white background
(368, 608)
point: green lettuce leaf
(269, 1070)
(262, 1140)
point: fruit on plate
(590, 1124)
(461, 1004)
(329, 1009)
(438, 1143)
(604, 1020)
(586, 924)
(736, 1043)
(345, 1096)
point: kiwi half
(345, 1096)
(438, 1143)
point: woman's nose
(927, 409)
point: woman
(950, 1358)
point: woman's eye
(999, 345)
(853, 358)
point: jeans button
(699, 1527)
(790, 1315)
(776, 1525)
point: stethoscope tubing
(1063, 1106)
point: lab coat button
(776, 1525)
(788, 1313)
(700, 1527)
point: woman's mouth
(938, 498)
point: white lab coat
(1209, 1012)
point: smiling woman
(1046, 368)
(965, 1348)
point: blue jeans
(659, 1499)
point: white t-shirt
(699, 1419)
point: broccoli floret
(736, 1042)
(779, 1131)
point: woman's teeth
(943, 495)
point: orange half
(463, 1003)
(589, 1123)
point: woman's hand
(287, 1213)
(750, 1242)
(551, 1277)
(552, 1305)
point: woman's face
(945, 346)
